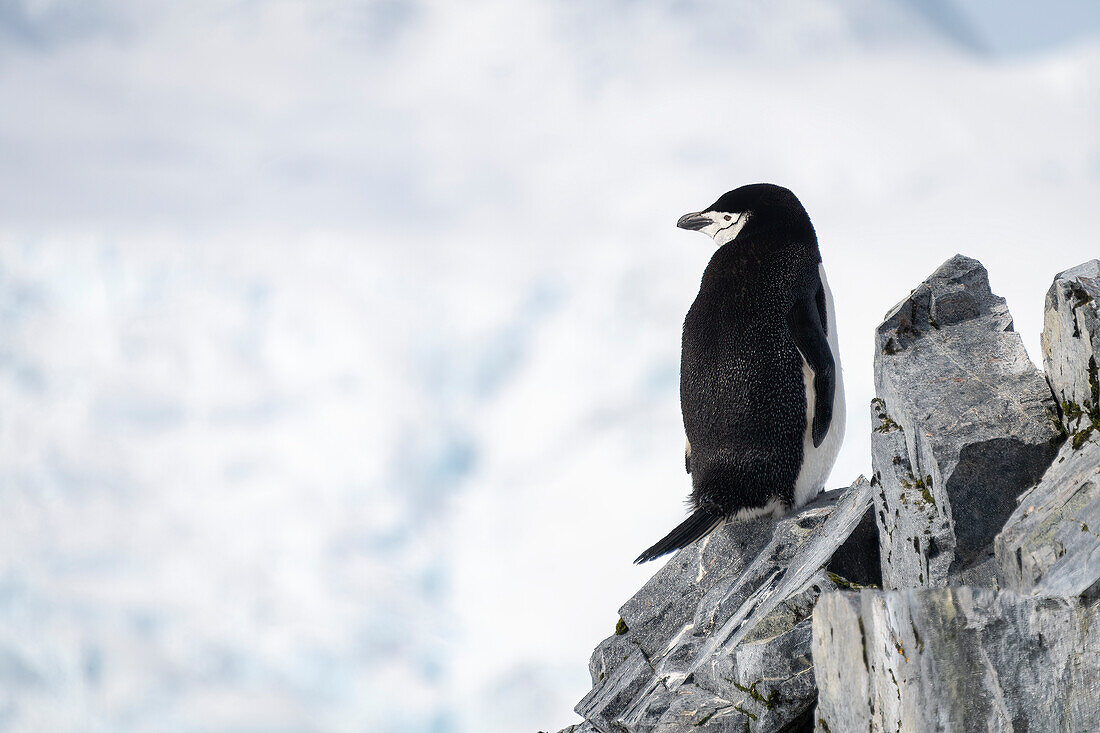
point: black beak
(693, 222)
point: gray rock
(956, 659)
(781, 578)
(668, 601)
(857, 558)
(659, 612)
(715, 642)
(607, 704)
(778, 670)
(693, 708)
(1051, 543)
(916, 535)
(583, 727)
(977, 420)
(609, 654)
(981, 573)
(1071, 336)
(768, 683)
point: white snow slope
(339, 342)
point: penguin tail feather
(698, 524)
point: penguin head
(764, 204)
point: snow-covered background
(339, 341)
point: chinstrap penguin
(760, 382)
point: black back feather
(698, 524)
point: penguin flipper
(808, 331)
(698, 524)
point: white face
(723, 226)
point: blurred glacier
(340, 344)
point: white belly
(818, 461)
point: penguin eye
(728, 217)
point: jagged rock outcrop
(720, 636)
(964, 422)
(982, 523)
(584, 727)
(1071, 337)
(1051, 543)
(956, 659)
(967, 658)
